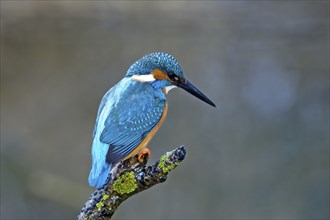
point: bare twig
(130, 178)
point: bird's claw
(144, 155)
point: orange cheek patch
(159, 75)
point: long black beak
(186, 85)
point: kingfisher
(132, 111)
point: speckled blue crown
(160, 60)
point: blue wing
(130, 120)
(127, 113)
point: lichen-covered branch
(131, 177)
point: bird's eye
(173, 77)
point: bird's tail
(100, 168)
(97, 177)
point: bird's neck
(159, 84)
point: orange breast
(151, 134)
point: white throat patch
(168, 88)
(144, 78)
(150, 78)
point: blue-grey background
(263, 154)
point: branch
(130, 178)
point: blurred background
(263, 154)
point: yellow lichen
(99, 205)
(164, 165)
(126, 183)
(105, 197)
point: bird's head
(163, 71)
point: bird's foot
(144, 155)
(139, 160)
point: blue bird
(132, 111)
